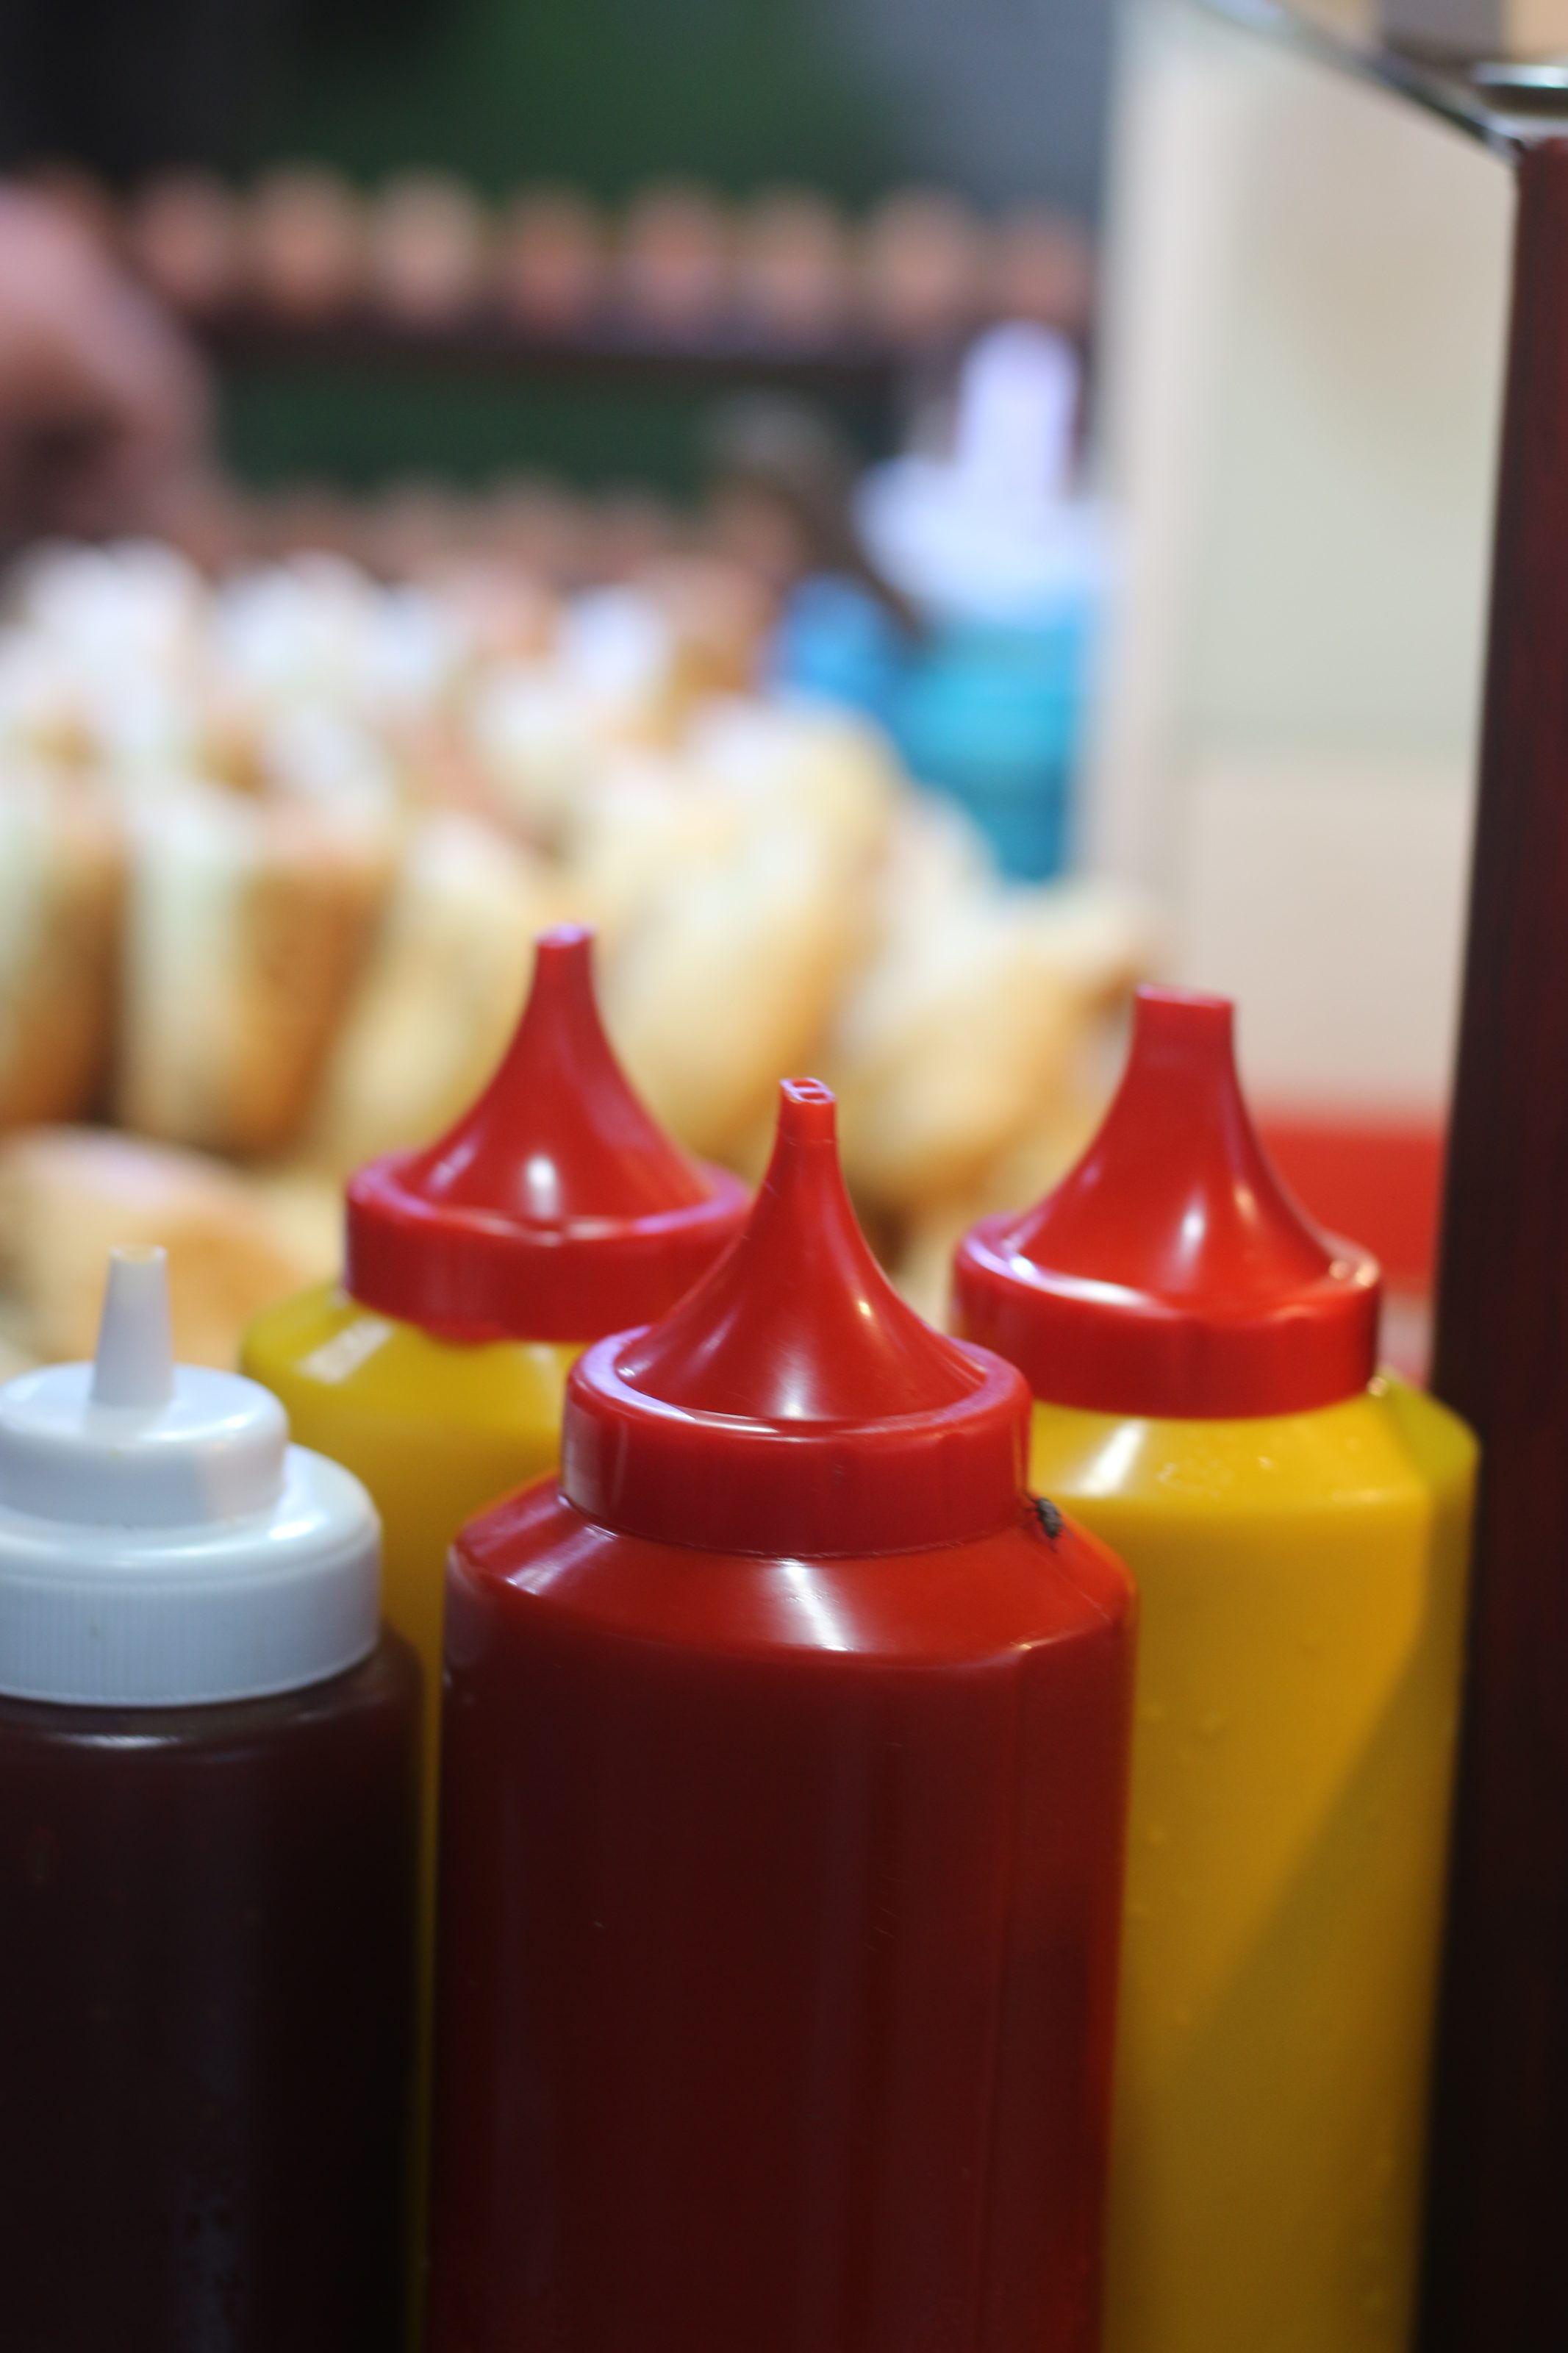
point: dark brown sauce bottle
(208, 1792)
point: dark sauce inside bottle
(206, 1942)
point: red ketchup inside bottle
(784, 1779)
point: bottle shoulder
(323, 1347)
(536, 1566)
(381, 1693)
(1392, 1443)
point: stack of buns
(273, 853)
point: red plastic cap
(793, 1404)
(1171, 1273)
(556, 1209)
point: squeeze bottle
(784, 1773)
(208, 1783)
(556, 1210)
(1204, 1365)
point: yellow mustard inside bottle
(1298, 1526)
(477, 1268)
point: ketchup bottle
(1208, 1399)
(783, 1788)
(208, 1776)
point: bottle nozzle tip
(809, 1112)
(1196, 1012)
(564, 944)
(134, 1364)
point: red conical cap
(1171, 1273)
(556, 1209)
(793, 1403)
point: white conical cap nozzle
(135, 1361)
(1015, 431)
(161, 1544)
(134, 1440)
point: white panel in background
(1329, 901)
(1306, 311)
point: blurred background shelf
(854, 368)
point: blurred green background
(999, 99)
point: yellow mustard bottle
(477, 1268)
(1206, 1399)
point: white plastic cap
(1018, 393)
(161, 1544)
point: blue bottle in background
(1004, 565)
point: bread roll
(539, 741)
(438, 997)
(248, 925)
(67, 1195)
(921, 1262)
(506, 612)
(808, 764)
(61, 873)
(730, 881)
(730, 922)
(726, 982)
(966, 1028)
(718, 615)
